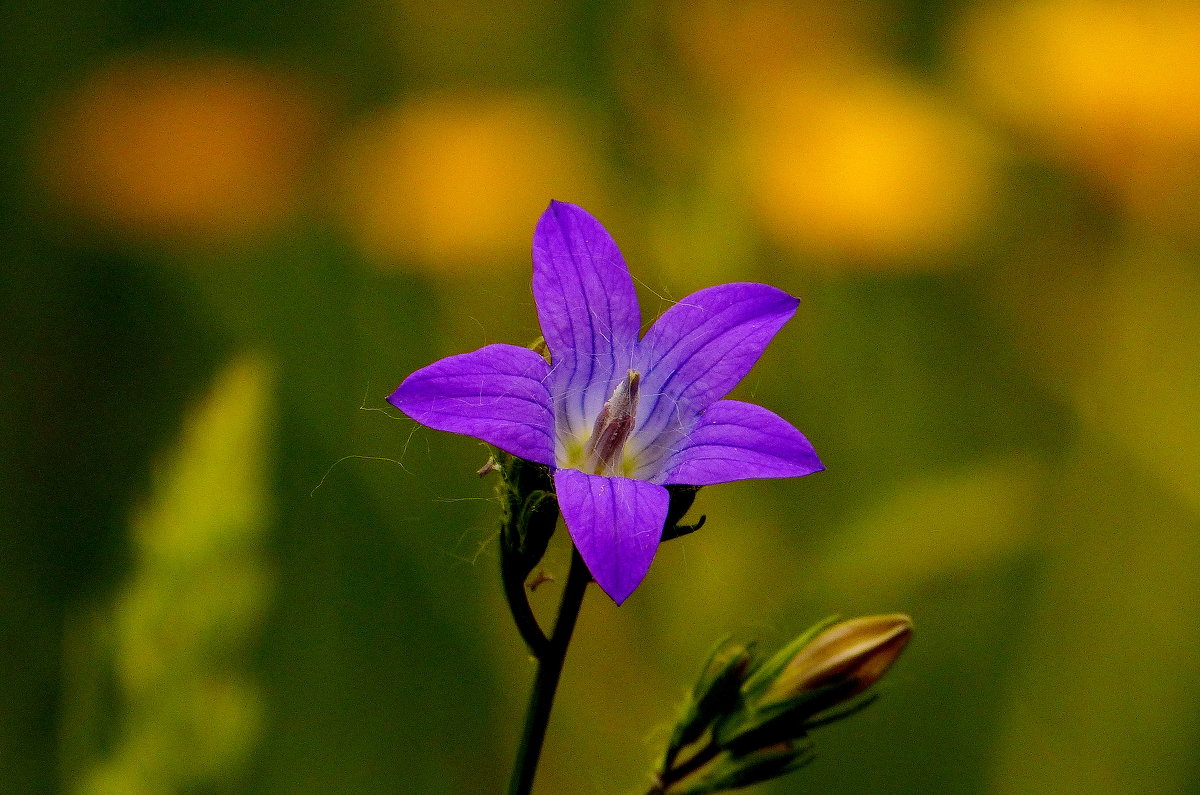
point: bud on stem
(856, 653)
(748, 721)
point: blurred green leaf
(934, 527)
(177, 638)
(1102, 695)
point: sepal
(715, 694)
(529, 512)
(682, 498)
(731, 770)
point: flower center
(606, 446)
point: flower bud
(715, 694)
(748, 720)
(855, 653)
(795, 690)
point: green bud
(747, 722)
(715, 694)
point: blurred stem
(550, 664)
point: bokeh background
(228, 230)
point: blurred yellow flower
(165, 146)
(873, 171)
(841, 158)
(452, 180)
(1109, 85)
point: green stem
(550, 664)
(668, 778)
(518, 605)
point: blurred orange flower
(170, 147)
(452, 180)
(873, 170)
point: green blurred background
(228, 230)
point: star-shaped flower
(615, 417)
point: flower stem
(522, 613)
(550, 664)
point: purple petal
(737, 441)
(588, 311)
(616, 524)
(701, 348)
(497, 393)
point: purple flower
(615, 417)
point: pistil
(606, 447)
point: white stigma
(606, 447)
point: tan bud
(859, 650)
